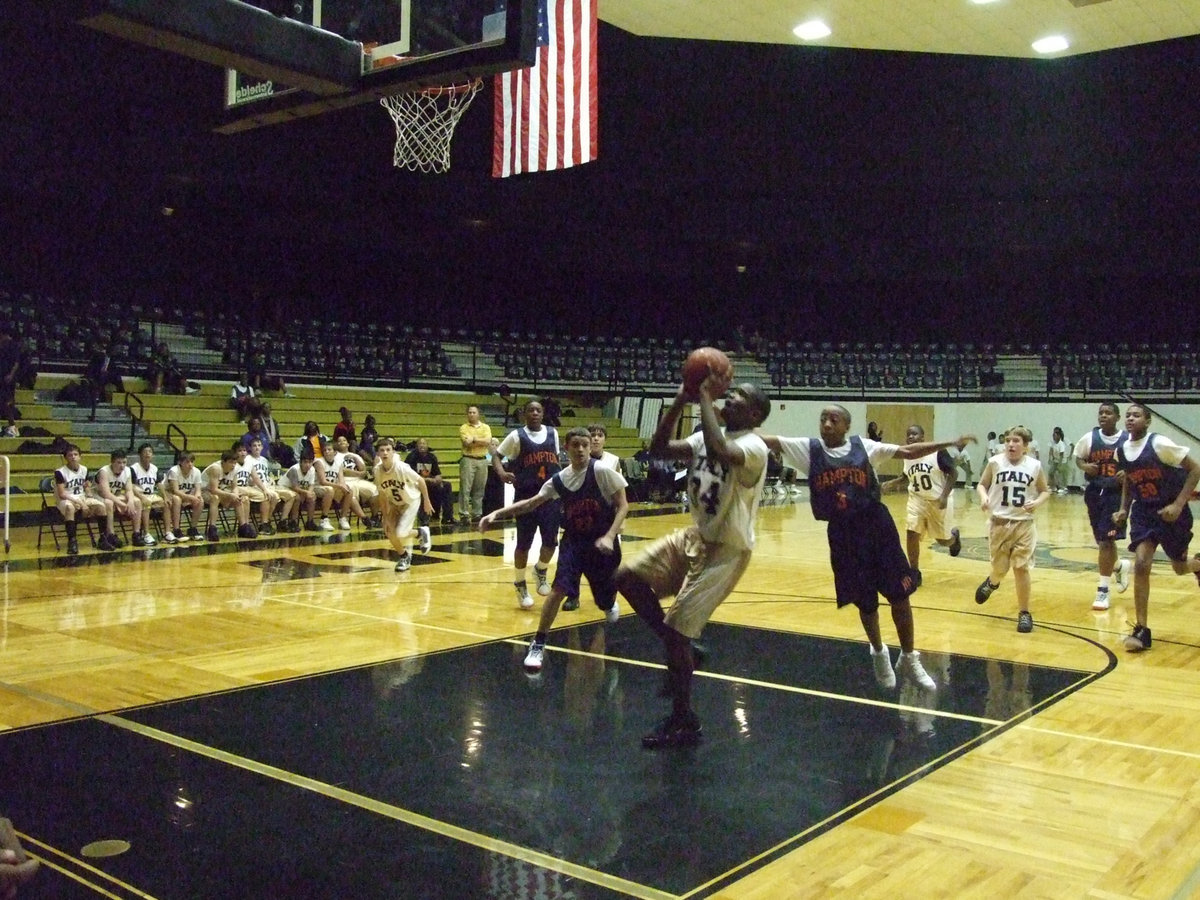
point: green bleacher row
(211, 426)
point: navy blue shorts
(1173, 537)
(544, 519)
(578, 557)
(867, 559)
(1101, 504)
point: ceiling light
(982, 2)
(812, 31)
(1052, 44)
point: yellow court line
(76, 877)
(1127, 745)
(454, 832)
(775, 686)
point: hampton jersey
(1101, 449)
(587, 510)
(1153, 469)
(1013, 485)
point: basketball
(698, 364)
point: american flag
(545, 116)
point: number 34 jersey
(724, 500)
(1013, 485)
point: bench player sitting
(301, 479)
(75, 500)
(181, 489)
(219, 490)
(114, 482)
(354, 471)
(262, 489)
(145, 482)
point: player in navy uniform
(593, 509)
(864, 545)
(1160, 477)
(1096, 456)
(533, 453)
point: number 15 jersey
(1013, 485)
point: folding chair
(51, 518)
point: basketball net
(425, 121)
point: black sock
(540, 637)
(71, 530)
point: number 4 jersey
(1013, 485)
(724, 500)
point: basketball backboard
(286, 59)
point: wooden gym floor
(289, 717)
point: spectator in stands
(367, 439)
(182, 490)
(157, 367)
(256, 373)
(476, 438)
(269, 426)
(114, 483)
(256, 432)
(874, 433)
(599, 435)
(102, 376)
(220, 491)
(145, 482)
(313, 439)
(75, 500)
(27, 373)
(345, 428)
(10, 365)
(243, 400)
(424, 462)
(553, 411)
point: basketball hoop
(425, 121)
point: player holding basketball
(1096, 456)
(401, 489)
(533, 453)
(864, 545)
(1160, 477)
(701, 564)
